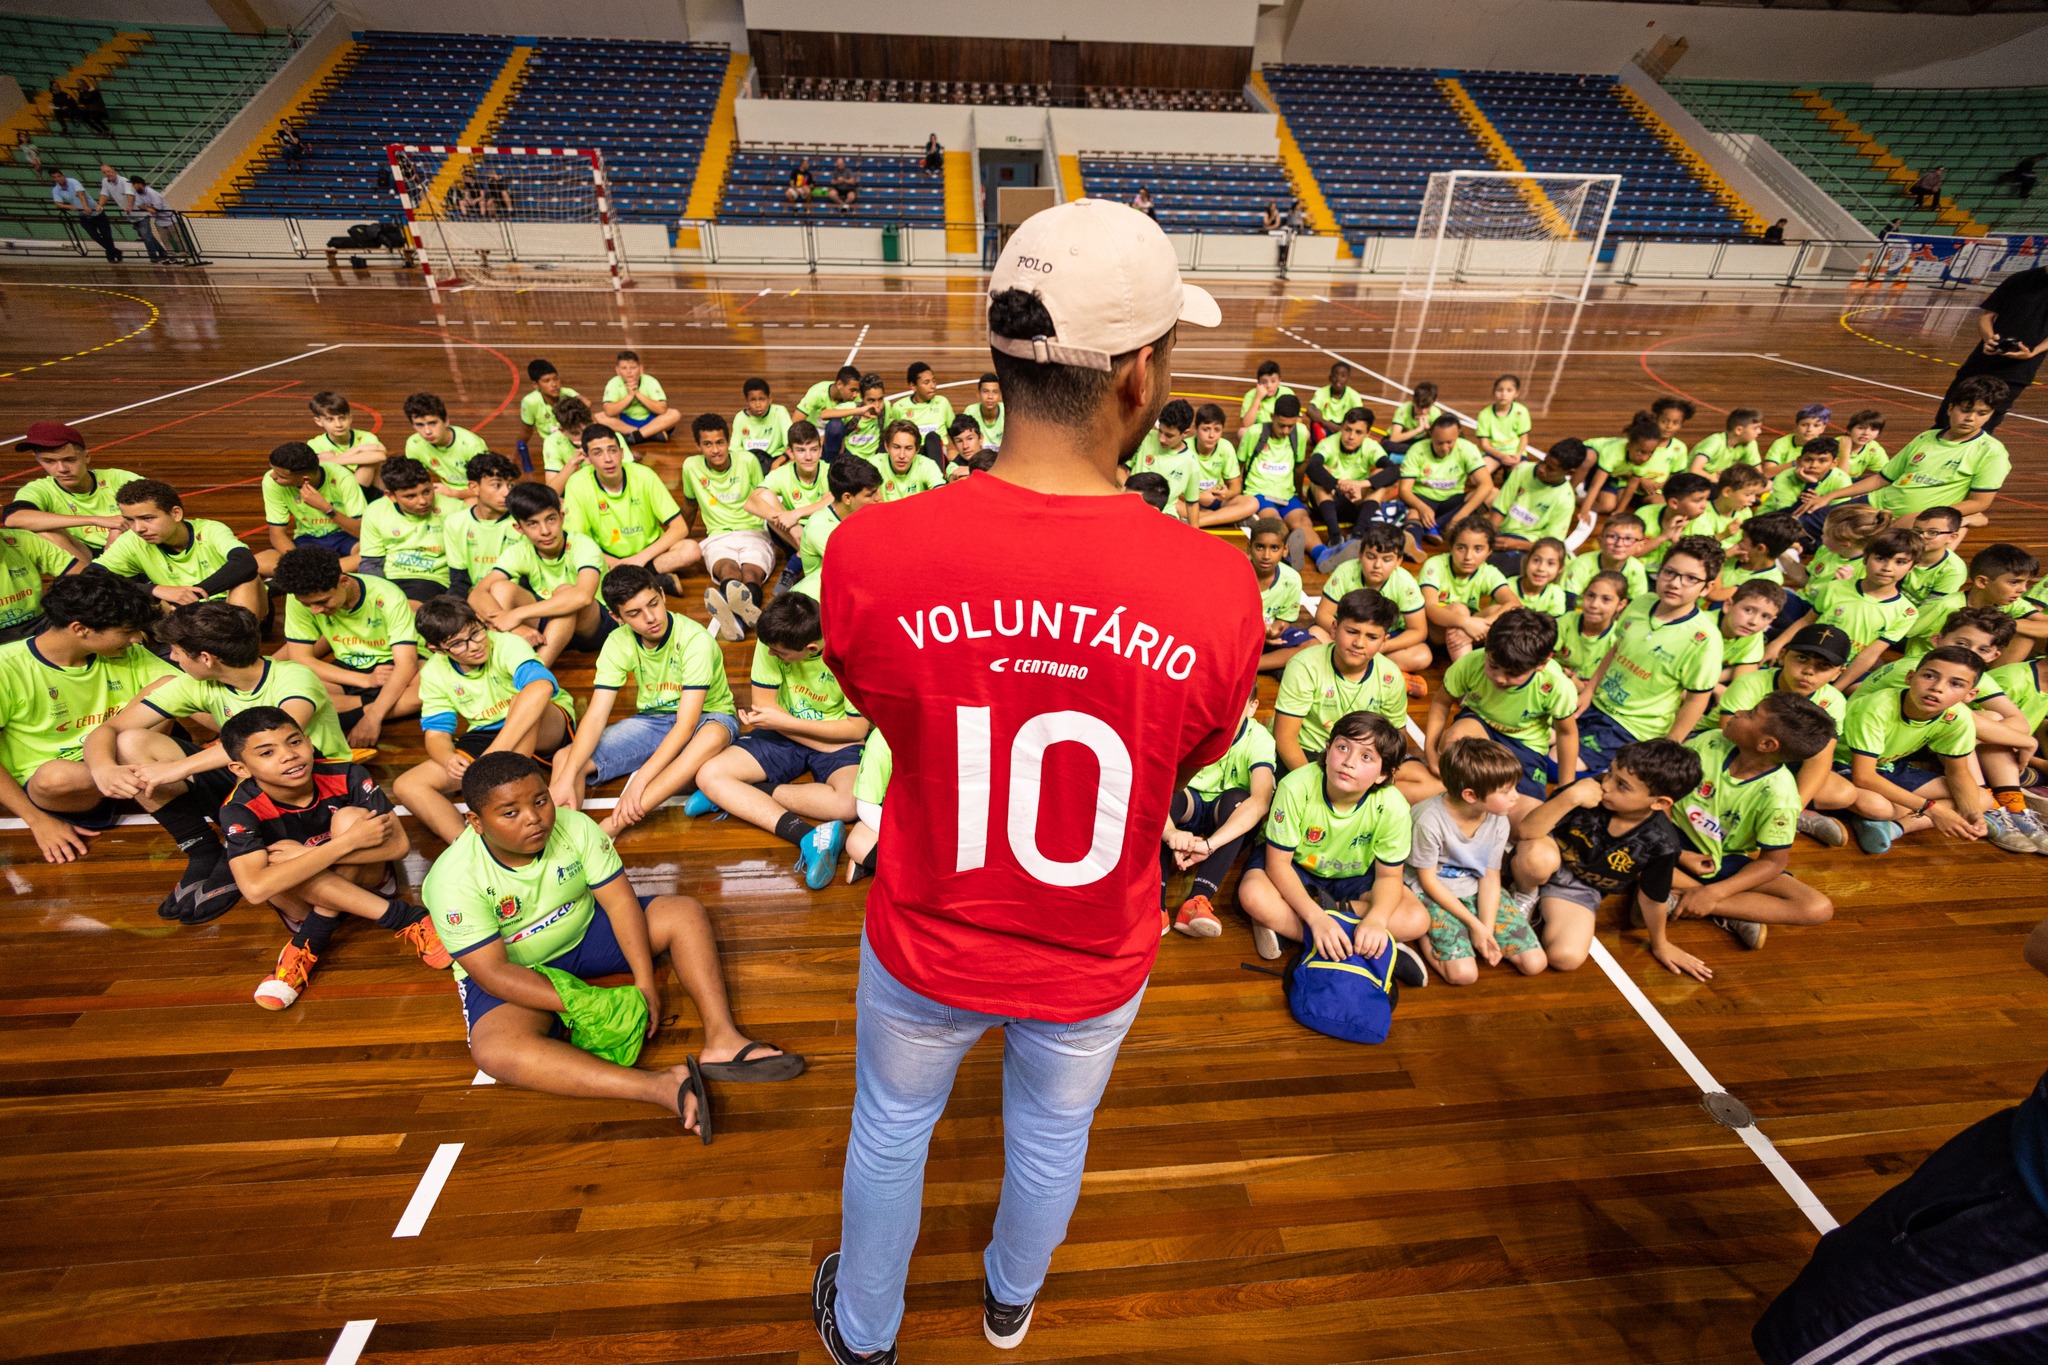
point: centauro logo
(1047, 667)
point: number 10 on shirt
(1111, 799)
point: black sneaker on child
(824, 1304)
(1004, 1324)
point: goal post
(504, 215)
(1509, 234)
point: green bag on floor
(605, 1021)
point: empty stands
(894, 187)
(1191, 194)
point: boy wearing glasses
(1659, 677)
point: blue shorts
(1601, 736)
(784, 760)
(634, 422)
(1278, 509)
(1290, 638)
(1731, 863)
(1538, 770)
(596, 954)
(1342, 890)
(1899, 775)
(341, 542)
(626, 745)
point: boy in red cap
(72, 503)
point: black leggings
(1191, 813)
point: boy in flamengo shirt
(337, 839)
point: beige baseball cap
(1108, 277)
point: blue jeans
(907, 1048)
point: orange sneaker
(1197, 918)
(1165, 923)
(421, 938)
(281, 989)
(1418, 686)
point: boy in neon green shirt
(792, 492)
(853, 484)
(1443, 479)
(71, 498)
(988, 412)
(761, 427)
(626, 509)
(1340, 478)
(1516, 694)
(1734, 444)
(444, 448)
(478, 532)
(736, 546)
(543, 589)
(1962, 466)
(1660, 675)
(341, 442)
(364, 629)
(24, 558)
(925, 408)
(685, 713)
(185, 560)
(1502, 427)
(1165, 451)
(1537, 499)
(1223, 501)
(1885, 796)
(537, 420)
(307, 502)
(1330, 405)
(1256, 408)
(634, 404)
(405, 533)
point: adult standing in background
(2012, 326)
(1017, 878)
(154, 221)
(70, 197)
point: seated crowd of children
(1758, 644)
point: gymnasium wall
(944, 57)
(1074, 130)
(1224, 23)
(1739, 43)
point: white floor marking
(856, 345)
(1752, 1136)
(1396, 385)
(483, 1078)
(138, 820)
(190, 388)
(428, 1191)
(348, 1347)
(1874, 383)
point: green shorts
(1451, 940)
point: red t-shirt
(1045, 670)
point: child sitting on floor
(1454, 866)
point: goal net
(1509, 234)
(522, 216)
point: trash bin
(892, 243)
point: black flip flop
(693, 1084)
(784, 1066)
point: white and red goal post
(533, 209)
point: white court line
(348, 1348)
(1752, 1136)
(483, 1078)
(428, 1191)
(1875, 383)
(192, 388)
(1387, 379)
(856, 345)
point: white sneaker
(1266, 943)
(1822, 829)
(742, 603)
(723, 616)
(2003, 833)
(2027, 823)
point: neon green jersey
(2022, 685)
(991, 427)
(449, 463)
(1746, 691)
(648, 387)
(1312, 689)
(1578, 651)
(1582, 569)
(1282, 601)
(877, 766)
(537, 410)
(1441, 475)
(1533, 509)
(922, 475)
(46, 711)
(24, 558)
(539, 910)
(1183, 476)
(1219, 466)
(721, 494)
(411, 547)
(475, 544)
(685, 659)
(1719, 454)
(1271, 466)
(362, 636)
(1527, 714)
(1251, 750)
(1656, 664)
(1868, 619)
(1507, 431)
(622, 522)
(287, 507)
(1474, 592)
(1932, 471)
(1400, 586)
(818, 528)
(47, 495)
(766, 435)
(806, 689)
(930, 415)
(544, 575)
(1349, 464)
(1946, 575)
(206, 549)
(1333, 844)
(1725, 814)
(1333, 405)
(279, 681)
(484, 697)
(1877, 724)
(1787, 488)
(793, 490)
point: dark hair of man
(1664, 767)
(1364, 415)
(1866, 417)
(1741, 417)
(1643, 428)
(1889, 544)
(312, 568)
(537, 370)
(1442, 420)
(1368, 607)
(327, 403)
(791, 622)
(1997, 623)
(1478, 765)
(849, 474)
(401, 472)
(1424, 393)
(98, 600)
(423, 404)
(571, 411)
(988, 378)
(1800, 726)
(1521, 641)
(1474, 525)
(871, 380)
(1737, 477)
(490, 465)
(529, 500)
(155, 492)
(441, 619)
(228, 632)
(1266, 367)
(1381, 538)
(1820, 445)
(592, 434)
(1951, 518)
(244, 726)
(1061, 395)
(295, 457)
(1569, 453)
(625, 583)
(1287, 405)
(705, 423)
(633, 356)
(916, 370)
(494, 770)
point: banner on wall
(1953, 262)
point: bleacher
(646, 105)
(1372, 135)
(1574, 124)
(894, 187)
(161, 103)
(1191, 194)
(403, 87)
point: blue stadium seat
(1210, 196)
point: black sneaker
(1004, 1324)
(1408, 967)
(824, 1301)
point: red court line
(517, 374)
(34, 470)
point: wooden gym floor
(1523, 1173)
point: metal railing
(52, 233)
(223, 111)
(1786, 144)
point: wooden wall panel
(939, 57)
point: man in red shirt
(1048, 659)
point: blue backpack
(1353, 999)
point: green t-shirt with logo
(483, 698)
(545, 575)
(45, 495)
(537, 410)
(1473, 592)
(1549, 599)
(1787, 488)
(1219, 466)
(287, 507)
(767, 434)
(786, 482)
(280, 681)
(1932, 471)
(206, 550)
(1868, 619)
(721, 494)
(2021, 683)
(1746, 691)
(622, 523)
(685, 659)
(818, 528)
(1312, 689)
(1866, 460)
(323, 444)
(1400, 588)
(1255, 408)
(1506, 430)
(1332, 406)
(1579, 652)
(1720, 454)
(411, 547)
(922, 475)
(991, 427)
(1349, 464)
(1725, 814)
(47, 711)
(933, 414)
(1946, 575)
(1656, 664)
(474, 545)
(816, 399)
(1405, 418)
(1272, 466)
(1282, 601)
(24, 558)
(1441, 477)
(1877, 724)
(1527, 714)
(1659, 465)
(1584, 567)
(1331, 844)
(539, 911)
(1533, 509)
(1251, 750)
(449, 463)
(649, 387)
(362, 637)
(1183, 476)
(806, 689)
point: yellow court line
(1918, 355)
(77, 355)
